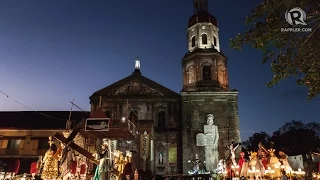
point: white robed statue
(211, 149)
(232, 147)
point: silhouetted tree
(252, 143)
(293, 138)
(289, 53)
(296, 137)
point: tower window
(204, 39)
(108, 114)
(214, 41)
(161, 119)
(193, 41)
(134, 116)
(206, 73)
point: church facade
(174, 120)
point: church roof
(135, 85)
(39, 119)
(202, 17)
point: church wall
(193, 77)
(163, 139)
(195, 107)
(147, 110)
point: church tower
(205, 88)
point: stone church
(173, 120)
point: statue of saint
(232, 147)
(161, 158)
(196, 165)
(211, 149)
(50, 166)
(104, 161)
(283, 158)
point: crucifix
(232, 147)
(69, 142)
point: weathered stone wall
(192, 71)
(165, 140)
(195, 107)
(148, 108)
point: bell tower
(205, 87)
(204, 66)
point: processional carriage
(263, 164)
(82, 148)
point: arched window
(214, 40)
(134, 116)
(204, 39)
(108, 114)
(161, 119)
(193, 41)
(206, 73)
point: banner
(144, 145)
(97, 124)
(296, 162)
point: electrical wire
(74, 105)
(5, 94)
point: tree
(296, 137)
(252, 143)
(293, 138)
(290, 53)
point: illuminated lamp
(123, 119)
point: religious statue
(241, 161)
(211, 149)
(137, 63)
(232, 147)
(221, 167)
(196, 165)
(283, 158)
(67, 160)
(255, 165)
(50, 166)
(264, 155)
(274, 162)
(161, 158)
(104, 161)
(243, 165)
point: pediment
(135, 85)
(137, 88)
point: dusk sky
(52, 51)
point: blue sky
(55, 50)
